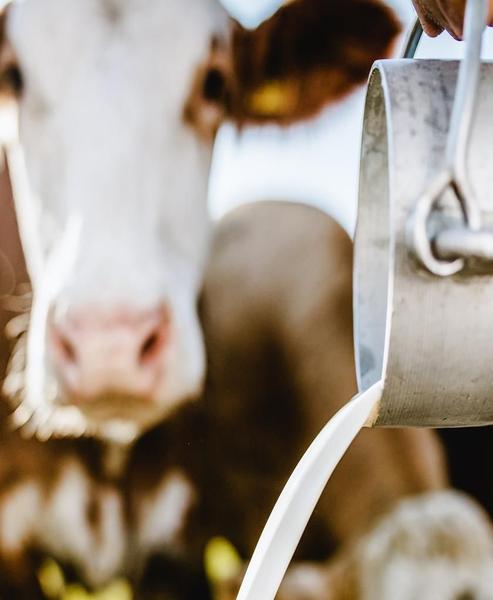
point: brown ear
(10, 76)
(310, 53)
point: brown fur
(316, 50)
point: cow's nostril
(68, 350)
(65, 348)
(465, 595)
(150, 347)
(156, 337)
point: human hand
(437, 15)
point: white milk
(297, 501)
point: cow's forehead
(55, 39)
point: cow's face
(118, 104)
(118, 182)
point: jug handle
(460, 243)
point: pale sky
(316, 162)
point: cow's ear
(310, 53)
(10, 75)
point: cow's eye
(12, 79)
(214, 85)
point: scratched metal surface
(431, 339)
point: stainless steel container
(424, 244)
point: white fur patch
(66, 533)
(162, 516)
(306, 582)
(19, 514)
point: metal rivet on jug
(424, 241)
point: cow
(118, 105)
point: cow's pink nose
(116, 351)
